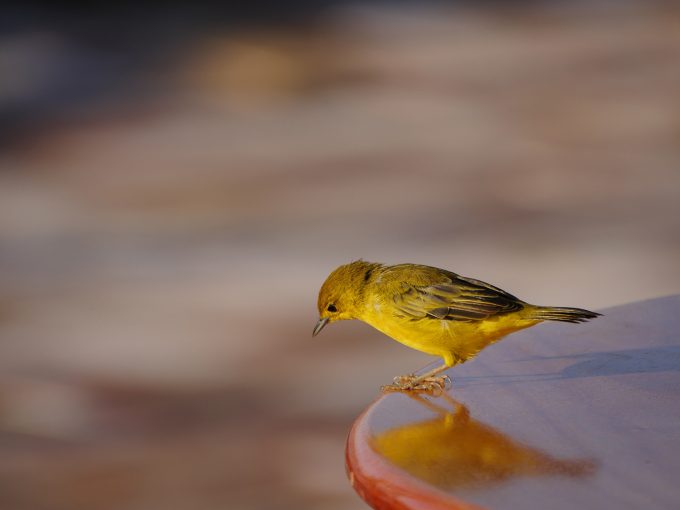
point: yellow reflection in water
(455, 451)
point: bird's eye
(331, 308)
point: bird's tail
(557, 313)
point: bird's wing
(454, 298)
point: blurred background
(176, 183)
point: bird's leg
(428, 382)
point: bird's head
(342, 294)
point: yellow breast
(455, 341)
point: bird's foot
(434, 386)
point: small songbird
(431, 310)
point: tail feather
(562, 314)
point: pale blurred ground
(162, 244)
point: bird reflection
(455, 451)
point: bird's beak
(319, 326)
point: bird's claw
(403, 381)
(433, 386)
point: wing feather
(454, 298)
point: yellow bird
(431, 310)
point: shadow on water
(593, 364)
(454, 451)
